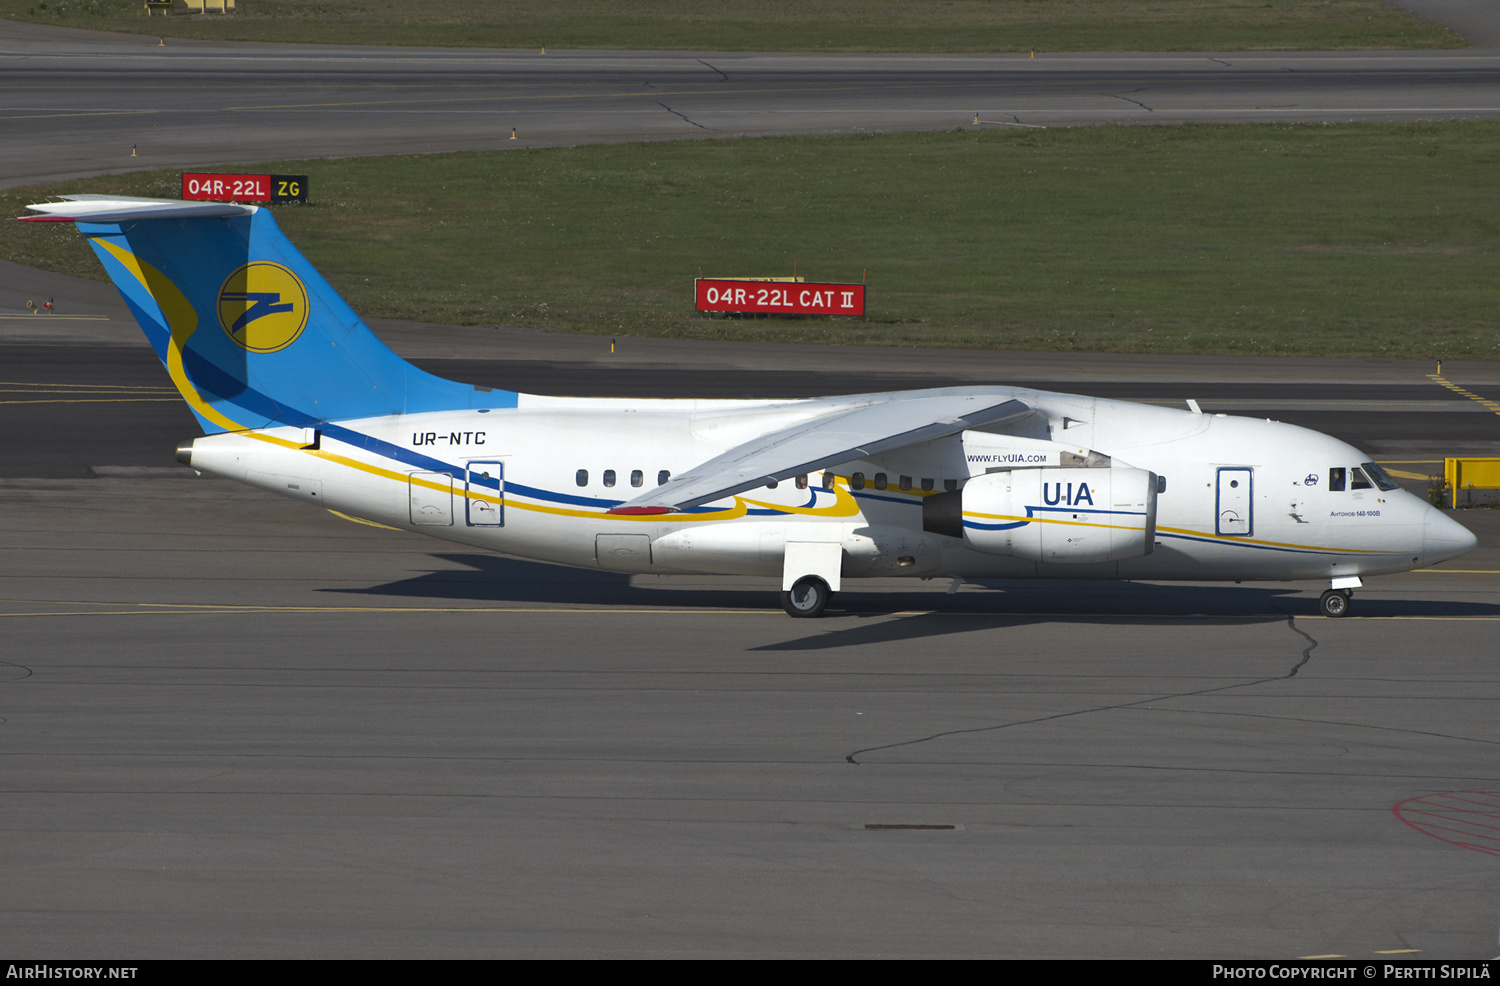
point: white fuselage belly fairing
(440, 474)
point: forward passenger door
(1235, 502)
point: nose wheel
(807, 597)
(1335, 602)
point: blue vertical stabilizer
(251, 334)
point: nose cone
(1444, 538)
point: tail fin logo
(263, 307)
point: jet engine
(1051, 515)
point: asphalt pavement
(78, 104)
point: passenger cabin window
(637, 477)
(664, 477)
(905, 482)
(926, 484)
(828, 479)
(951, 485)
(582, 479)
(880, 481)
(802, 482)
(609, 477)
(1336, 479)
(857, 481)
(1357, 480)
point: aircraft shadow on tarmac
(495, 579)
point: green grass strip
(779, 25)
(1357, 240)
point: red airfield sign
(277, 189)
(779, 297)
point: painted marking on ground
(100, 400)
(1467, 819)
(59, 318)
(1457, 571)
(1485, 402)
(229, 609)
(35, 387)
(360, 520)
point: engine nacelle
(1051, 515)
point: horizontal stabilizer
(125, 208)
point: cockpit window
(1382, 478)
(1357, 480)
(1336, 479)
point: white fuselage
(1240, 499)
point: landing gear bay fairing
(297, 396)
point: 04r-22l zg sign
(274, 189)
(779, 297)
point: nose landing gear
(1335, 602)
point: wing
(840, 436)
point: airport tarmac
(83, 103)
(239, 726)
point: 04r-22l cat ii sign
(295, 395)
(778, 297)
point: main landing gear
(1335, 602)
(807, 597)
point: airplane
(297, 396)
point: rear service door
(1235, 502)
(485, 494)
